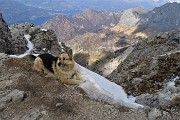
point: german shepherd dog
(62, 67)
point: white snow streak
(169, 53)
(101, 89)
(171, 84)
(62, 48)
(44, 30)
(29, 45)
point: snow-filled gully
(29, 45)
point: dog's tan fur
(63, 68)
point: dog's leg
(78, 75)
(49, 74)
(38, 64)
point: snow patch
(101, 89)
(44, 30)
(29, 45)
(171, 84)
(169, 53)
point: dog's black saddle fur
(48, 61)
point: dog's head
(65, 60)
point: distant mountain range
(105, 5)
(39, 11)
(162, 18)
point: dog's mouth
(62, 65)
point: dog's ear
(70, 53)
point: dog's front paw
(82, 81)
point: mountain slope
(68, 27)
(152, 63)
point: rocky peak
(5, 37)
(62, 26)
(131, 17)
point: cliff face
(5, 37)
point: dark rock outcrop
(5, 37)
(43, 40)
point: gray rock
(4, 101)
(8, 97)
(30, 115)
(3, 55)
(154, 114)
(16, 95)
(147, 100)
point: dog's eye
(59, 58)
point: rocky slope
(150, 68)
(5, 37)
(146, 66)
